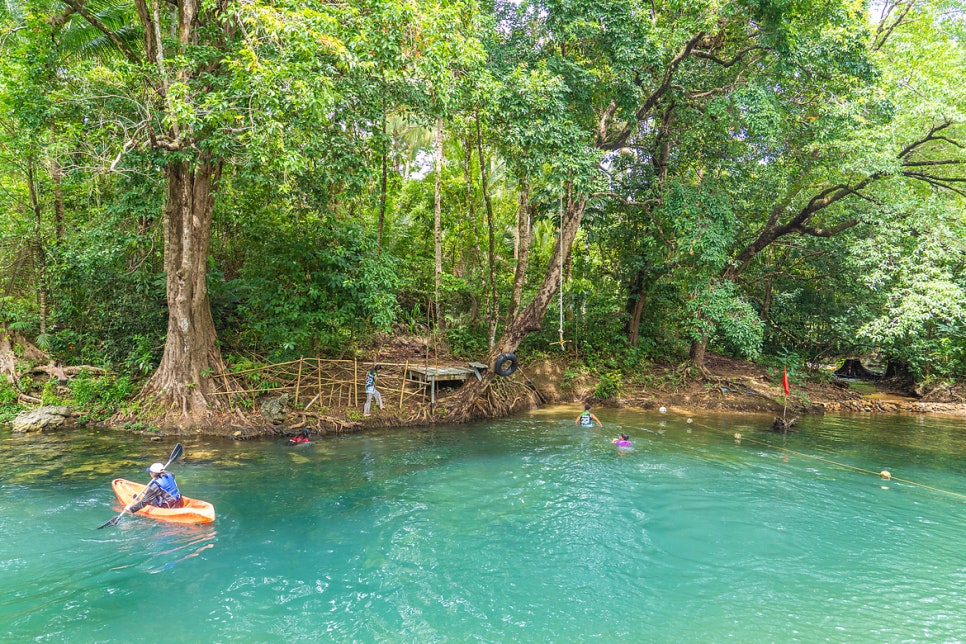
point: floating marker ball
(886, 474)
(737, 436)
(690, 421)
(663, 409)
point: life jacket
(170, 495)
(299, 439)
(586, 420)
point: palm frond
(82, 40)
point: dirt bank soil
(727, 385)
(736, 386)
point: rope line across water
(836, 463)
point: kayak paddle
(175, 455)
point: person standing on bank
(371, 391)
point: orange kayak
(193, 510)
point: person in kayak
(162, 491)
(587, 419)
(623, 441)
(303, 437)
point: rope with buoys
(884, 474)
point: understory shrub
(99, 397)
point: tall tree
(214, 84)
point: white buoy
(690, 421)
(886, 474)
(662, 409)
(737, 436)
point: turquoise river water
(529, 529)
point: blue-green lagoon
(529, 529)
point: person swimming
(623, 441)
(587, 419)
(303, 437)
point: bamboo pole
(312, 401)
(402, 384)
(355, 382)
(298, 384)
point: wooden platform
(429, 376)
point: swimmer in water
(587, 419)
(303, 437)
(623, 441)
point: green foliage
(694, 133)
(467, 342)
(100, 397)
(608, 385)
(49, 395)
(314, 290)
(729, 320)
(9, 407)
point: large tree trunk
(523, 239)
(494, 311)
(471, 217)
(384, 180)
(181, 388)
(467, 403)
(637, 312)
(57, 187)
(437, 224)
(698, 350)
(637, 300)
(40, 256)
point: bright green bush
(9, 407)
(314, 291)
(99, 397)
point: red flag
(785, 380)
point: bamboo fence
(323, 385)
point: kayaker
(303, 437)
(587, 419)
(162, 491)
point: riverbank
(737, 386)
(725, 385)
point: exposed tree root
(490, 398)
(177, 407)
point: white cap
(156, 468)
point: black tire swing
(505, 364)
